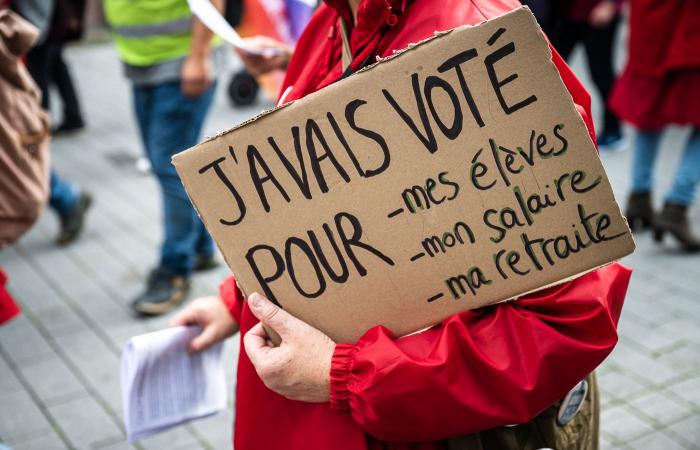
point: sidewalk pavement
(59, 361)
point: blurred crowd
(173, 64)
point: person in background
(24, 158)
(592, 23)
(169, 58)
(659, 87)
(47, 66)
(542, 11)
(453, 386)
(69, 201)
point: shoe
(68, 126)
(639, 213)
(674, 219)
(205, 262)
(611, 141)
(72, 222)
(165, 290)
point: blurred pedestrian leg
(47, 66)
(45, 63)
(674, 216)
(71, 204)
(646, 147)
(688, 173)
(169, 123)
(63, 194)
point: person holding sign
(527, 362)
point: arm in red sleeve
(480, 369)
(232, 297)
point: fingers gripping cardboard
(453, 175)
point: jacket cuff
(341, 364)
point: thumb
(203, 340)
(270, 314)
(183, 317)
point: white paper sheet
(163, 386)
(212, 19)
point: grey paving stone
(97, 363)
(652, 339)
(58, 319)
(649, 311)
(688, 390)
(689, 430)
(605, 442)
(657, 440)
(661, 408)
(52, 380)
(21, 341)
(217, 431)
(20, 417)
(121, 445)
(623, 424)
(49, 441)
(685, 300)
(618, 384)
(85, 423)
(8, 380)
(684, 359)
(175, 438)
(651, 369)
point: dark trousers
(46, 65)
(598, 44)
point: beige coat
(24, 133)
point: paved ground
(59, 361)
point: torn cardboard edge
(380, 60)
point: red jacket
(664, 36)
(478, 369)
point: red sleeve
(8, 308)
(579, 94)
(480, 369)
(232, 297)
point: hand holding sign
(212, 19)
(268, 55)
(299, 368)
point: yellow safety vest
(148, 32)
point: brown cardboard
(408, 270)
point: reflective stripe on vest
(142, 31)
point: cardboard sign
(453, 175)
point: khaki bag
(543, 432)
(24, 133)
